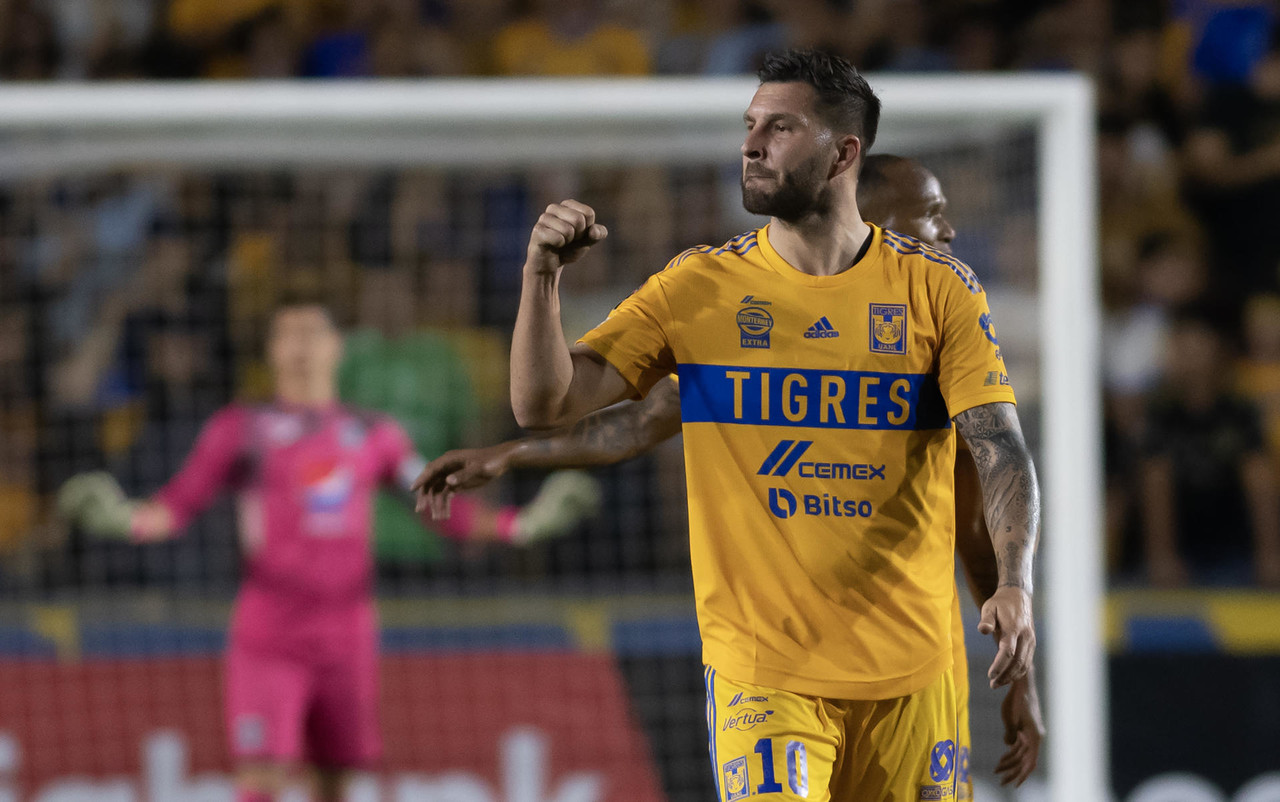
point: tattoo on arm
(1011, 497)
(611, 435)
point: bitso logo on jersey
(784, 504)
(822, 330)
(888, 328)
(755, 324)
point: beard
(795, 196)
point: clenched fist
(563, 233)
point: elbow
(535, 416)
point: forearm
(541, 366)
(612, 435)
(152, 521)
(1010, 494)
(973, 541)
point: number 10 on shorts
(797, 769)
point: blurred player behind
(302, 660)
(899, 194)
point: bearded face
(789, 195)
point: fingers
(1003, 667)
(987, 622)
(441, 501)
(1019, 761)
(563, 224)
(588, 214)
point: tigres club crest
(736, 784)
(888, 328)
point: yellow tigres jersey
(819, 452)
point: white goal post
(65, 128)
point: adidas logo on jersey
(822, 330)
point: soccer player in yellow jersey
(822, 362)
(897, 193)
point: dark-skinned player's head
(901, 194)
(809, 126)
(303, 342)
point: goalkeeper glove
(565, 499)
(95, 503)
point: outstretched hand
(562, 235)
(1007, 617)
(461, 469)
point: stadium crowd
(116, 290)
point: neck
(305, 392)
(821, 245)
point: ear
(848, 153)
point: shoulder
(703, 257)
(934, 265)
(235, 414)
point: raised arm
(611, 435)
(1011, 500)
(552, 384)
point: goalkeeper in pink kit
(301, 666)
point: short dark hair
(845, 99)
(291, 299)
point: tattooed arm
(608, 436)
(1011, 500)
(1020, 711)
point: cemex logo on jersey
(822, 330)
(740, 698)
(754, 301)
(786, 455)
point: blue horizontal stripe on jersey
(804, 397)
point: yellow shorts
(782, 745)
(964, 785)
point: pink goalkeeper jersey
(305, 481)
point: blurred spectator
(569, 37)
(719, 37)
(1209, 499)
(1168, 276)
(29, 48)
(340, 45)
(417, 378)
(1233, 163)
(1259, 369)
(263, 47)
(1233, 37)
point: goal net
(145, 232)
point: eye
(779, 127)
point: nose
(946, 233)
(753, 146)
